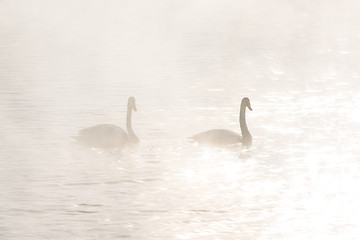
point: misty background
(66, 65)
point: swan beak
(135, 109)
(250, 108)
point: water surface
(66, 66)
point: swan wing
(103, 135)
(217, 137)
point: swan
(226, 137)
(108, 135)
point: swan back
(217, 137)
(103, 135)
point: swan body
(109, 135)
(227, 137)
(218, 137)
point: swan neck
(128, 123)
(243, 126)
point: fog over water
(68, 65)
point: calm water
(69, 65)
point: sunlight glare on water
(67, 66)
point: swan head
(131, 103)
(246, 102)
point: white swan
(108, 135)
(226, 137)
